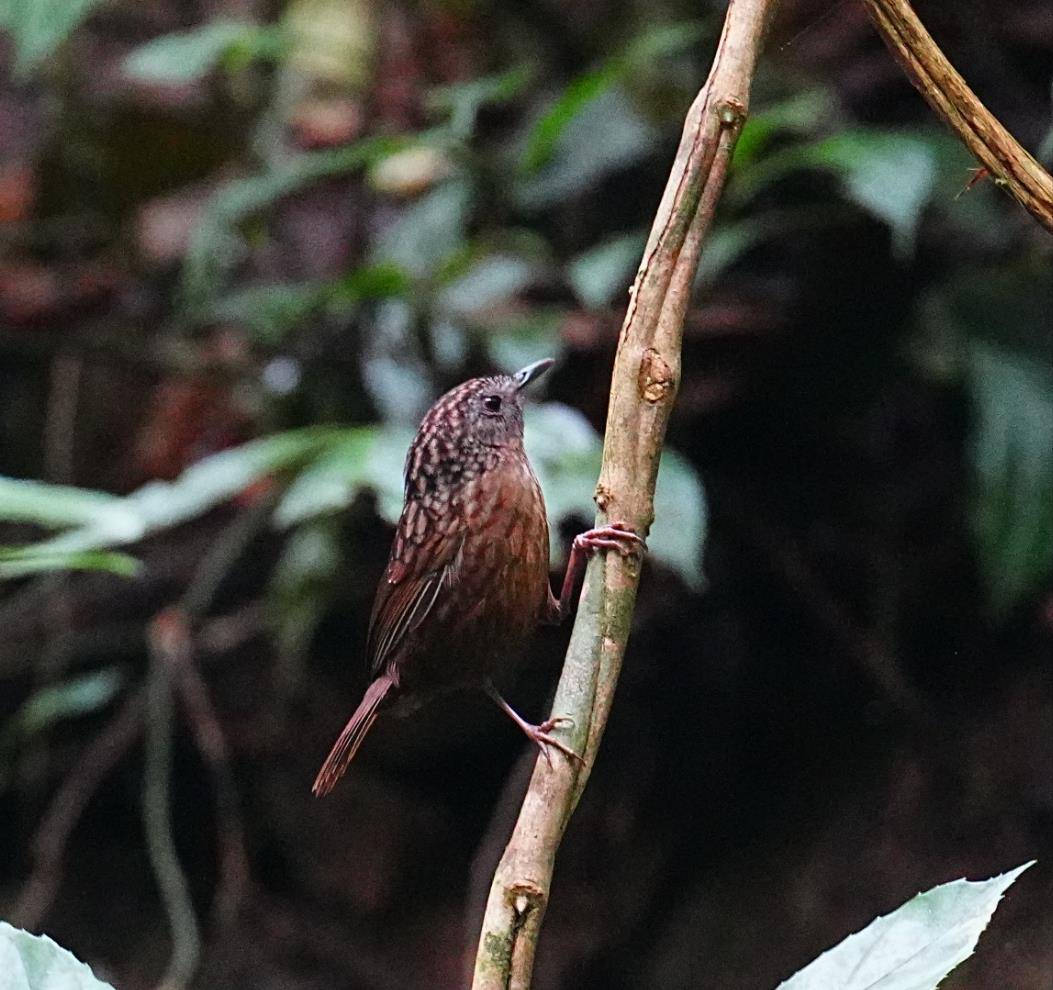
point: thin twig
(67, 806)
(643, 387)
(1009, 165)
(157, 808)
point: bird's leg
(538, 733)
(613, 536)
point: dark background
(855, 705)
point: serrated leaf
(915, 946)
(36, 962)
(1012, 458)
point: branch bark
(643, 388)
(1009, 165)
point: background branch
(645, 379)
(1010, 166)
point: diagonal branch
(643, 387)
(1009, 165)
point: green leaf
(35, 962)
(487, 282)
(566, 451)
(890, 174)
(185, 56)
(607, 134)
(1012, 458)
(358, 458)
(16, 562)
(38, 27)
(605, 272)
(914, 947)
(652, 45)
(273, 311)
(57, 506)
(79, 696)
(209, 483)
(463, 100)
(427, 232)
(216, 243)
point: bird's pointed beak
(526, 375)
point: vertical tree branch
(949, 95)
(645, 379)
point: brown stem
(1009, 165)
(643, 387)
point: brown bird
(467, 578)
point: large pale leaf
(915, 946)
(35, 962)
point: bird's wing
(424, 561)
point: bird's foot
(614, 536)
(541, 734)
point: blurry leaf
(427, 232)
(915, 946)
(565, 452)
(210, 482)
(56, 506)
(651, 45)
(216, 243)
(463, 101)
(890, 174)
(803, 113)
(607, 134)
(727, 244)
(299, 594)
(271, 312)
(186, 56)
(16, 562)
(520, 341)
(488, 281)
(605, 272)
(38, 27)
(35, 962)
(1012, 454)
(79, 696)
(359, 458)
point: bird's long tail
(344, 749)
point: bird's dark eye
(492, 403)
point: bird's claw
(614, 536)
(540, 735)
